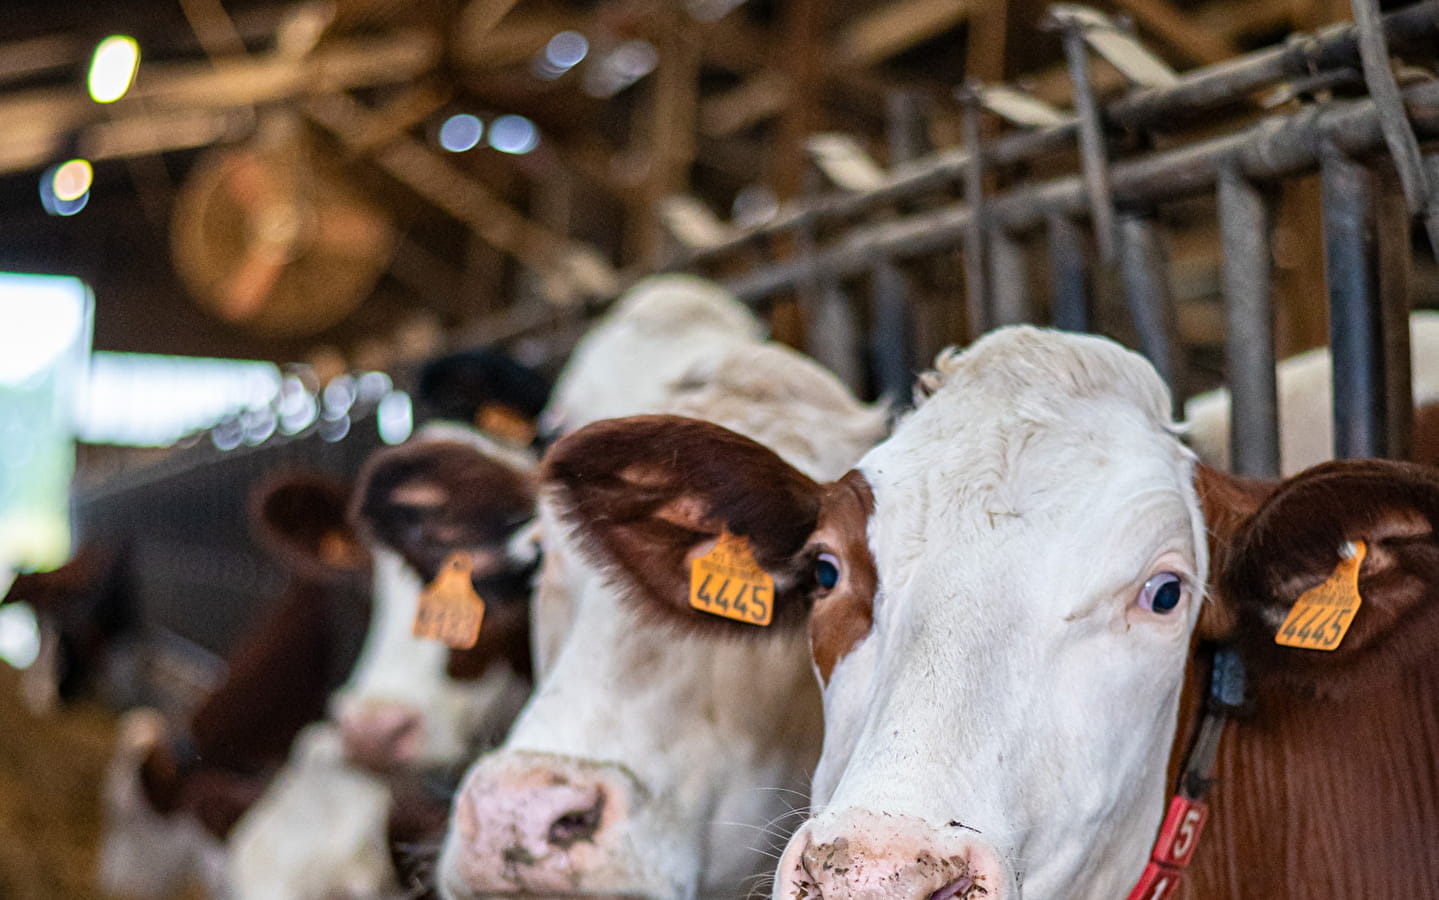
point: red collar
(1184, 822)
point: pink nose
(534, 822)
(382, 735)
(863, 856)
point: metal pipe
(976, 283)
(1008, 279)
(1144, 272)
(1067, 274)
(889, 341)
(1245, 225)
(1276, 147)
(1094, 163)
(1414, 27)
(1356, 337)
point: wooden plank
(1180, 32)
(895, 27)
(762, 97)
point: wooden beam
(1180, 33)
(895, 27)
(760, 98)
(570, 268)
(38, 122)
(672, 128)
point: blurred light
(228, 433)
(395, 417)
(338, 397)
(50, 199)
(626, 64)
(334, 430)
(461, 132)
(72, 180)
(514, 134)
(374, 385)
(566, 49)
(296, 406)
(42, 316)
(258, 425)
(145, 400)
(112, 68)
(19, 635)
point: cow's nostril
(577, 824)
(959, 889)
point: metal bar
(1421, 194)
(1067, 274)
(1245, 225)
(889, 343)
(1144, 272)
(1355, 318)
(1277, 147)
(976, 283)
(1415, 27)
(1008, 279)
(1094, 163)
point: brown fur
(842, 616)
(646, 492)
(279, 674)
(1331, 787)
(428, 499)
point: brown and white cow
(412, 709)
(1010, 597)
(172, 795)
(652, 758)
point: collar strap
(1184, 822)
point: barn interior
(291, 206)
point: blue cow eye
(1162, 593)
(826, 570)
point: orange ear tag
(450, 611)
(504, 423)
(1322, 615)
(728, 582)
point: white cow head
(1003, 598)
(655, 751)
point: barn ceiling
(276, 164)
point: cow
(412, 710)
(1306, 405)
(650, 759)
(1014, 603)
(173, 795)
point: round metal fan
(271, 239)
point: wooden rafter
(895, 27)
(1179, 31)
(569, 267)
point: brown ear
(300, 518)
(1292, 543)
(430, 498)
(648, 493)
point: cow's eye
(826, 570)
(1162, 593)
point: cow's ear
(647, 495)
(1297, 539)
(300, 518)
(429, 498)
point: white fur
(1306, 402)
(332, 844)
(142, 853)
(716, 763)
(658, 329)
(1008, 681)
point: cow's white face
(1039, 556)
(653, 758)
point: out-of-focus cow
(652, 757)
(413, 711)
(1015, 604)
(173, 796)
